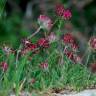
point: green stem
(37, 31)
(89, 53)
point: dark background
(18, 18)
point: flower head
(60, 9)
(30, 47)
(43, 42)
(92, 43)
(67, 14)
(4, 66)
(68, 38)
(69, 54)
(45, 22)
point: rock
(90, 92)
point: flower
(67, 14)
(44, 65)
(43, 42)
(32, 46)
(45, 22)
(68, 38)
(52, 37)
(4, 66)
(92, 43)
(29, 47)
(69, 54)
(60, 9)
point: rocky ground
(89, 92)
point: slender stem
(89, 53)
(37, 31)
(17, 56)
(85, 53)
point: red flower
(92, 43)
(29, 47)
(32, 47)
(60, 9)
(93, 67)
(43, 43)
(68, 38)
(44, 65)
(4, 66)
(69, 54)
(67, 14)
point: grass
(57, 76)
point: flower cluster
(29, 46)
(64, 13)
(72, 56)
(69, 39)
(70, 42)
(60, 9)
(67, 14)
(43, 42)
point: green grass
(58, 76)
